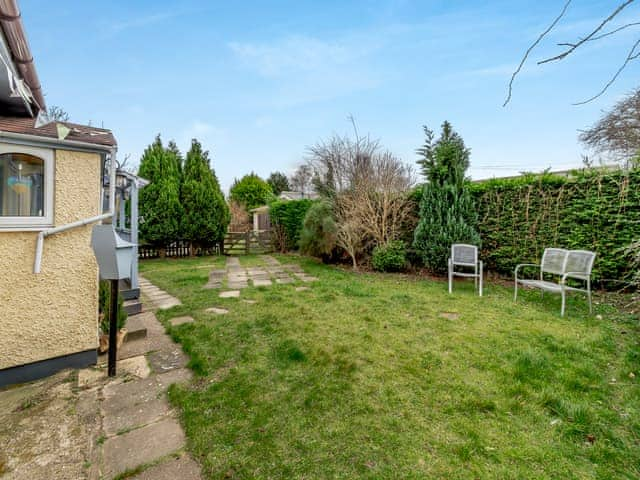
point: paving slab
(132, 404)
(183, 468)
(302, 289)
(140, 446)
(165, 360)
(169, 303)
(250, 302)
(180, 320)
(233, 261)
(136, 366)
(217, 310)
(230, 294)
(261, 282)
(178, 375)
(307, 278)
(285, 280)
(268, 259)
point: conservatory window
(26, 183)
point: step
(133, 307)
(136, 328)
(129, 293)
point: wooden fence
(179, 248)
(244, 243)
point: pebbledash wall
(53, 314)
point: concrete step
(132, 307)
(136, 328)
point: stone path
(239, 277)
(139, 427)
(159, 298)
(81, 424)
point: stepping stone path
(217, 310)
(215, 279)
(239, 277)
(180, 321)
(230, 294)
(159, 298)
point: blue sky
(257, 82)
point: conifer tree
(160, 208)
(278, 182)
(206, 214)
(447, 211)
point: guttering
(55, 142)
(11, 23)
(37, 263)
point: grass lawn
(362, 377)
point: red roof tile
(79, 133)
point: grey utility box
(114, 254)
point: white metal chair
(464, 255)
(562, 265)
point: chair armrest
(524, 265)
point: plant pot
(104, 340)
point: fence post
(247, 242)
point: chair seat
(462, 274)
(542, 284)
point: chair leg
(589, 297)
(450, 277)
(480, 278)
(515, 293)
(563, 302)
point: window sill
(24, 228)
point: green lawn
(361, 377)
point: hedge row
(593, 209)
(286, 218)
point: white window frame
(30, 223)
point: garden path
(271, 271)
(158, 297)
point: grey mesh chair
(561, 265)
(463, 255)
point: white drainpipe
(98, 218)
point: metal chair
(563, 265)
(464, 255)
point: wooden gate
(245, 243)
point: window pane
(21, 185)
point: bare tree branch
(617, 132)
(590, 36)
(599, 37)
(631, 56)
(533, 45)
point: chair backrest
(554, 261)
(463, 254)
(580, 263)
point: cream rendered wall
(55, 312)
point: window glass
(21, 185)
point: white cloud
(206, 133)
(304, 69)
(298, 54)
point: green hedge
(593, 209)
(287, 217)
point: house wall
(55, 312)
